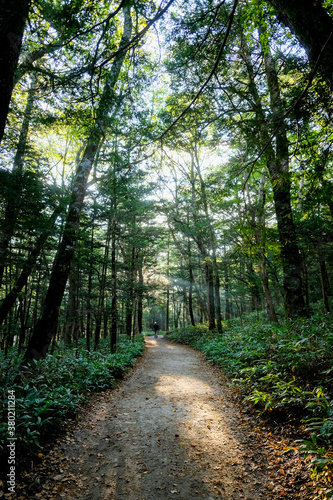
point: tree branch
(210, 76)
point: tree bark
(190, 294)
(167, 319)
(102, 288)
(71, 314)
(259, 228)
(278, 168)
(184, 306)
(140, 298)
(280, 176)
(113, 332)
(209, 277)
(262, 262)
(217, 293)
(325, 285)
(313, 26)
(199, 288)
(90, 274)
(209, 264)
(13, 16)
(228, 307)
(130, 292)
(265, 284)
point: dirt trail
(169, 431)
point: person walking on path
(156, 328)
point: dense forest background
(168, 162)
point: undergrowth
(150, 333)
(60, 384)
(284, 369)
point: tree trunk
(325, 286)
(262, 258)
(89, 291)
(102, 288)
(217, 294)
(184, 304)
(12, 204)
(199, 287)
(328, 190)
(313, 26)
(167, 326)
(265, 284)
(27, 306)
(113, 333)
(306, 281)
(190, 295)
(254, 289)
(278, 167)
(176, 312)
(261, 243)
(128, 317)
(46, 326)
(97, 333)
(71, 314)
(13, 16)
(28, 267)
(105, 320)
(130, 292)
(37, 299)
(135, 317)
(24, 310)
(209, 277)
(227, 292)
(140, 298)
(291, 261)
(280, 176)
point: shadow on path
(167, 432)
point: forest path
(169, 430)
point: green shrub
(286, 367)
(61, 382)
(189, 335)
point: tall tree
(311, 22)
(13, 17)
(13, 203)
(278, 167)
(47, 324)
